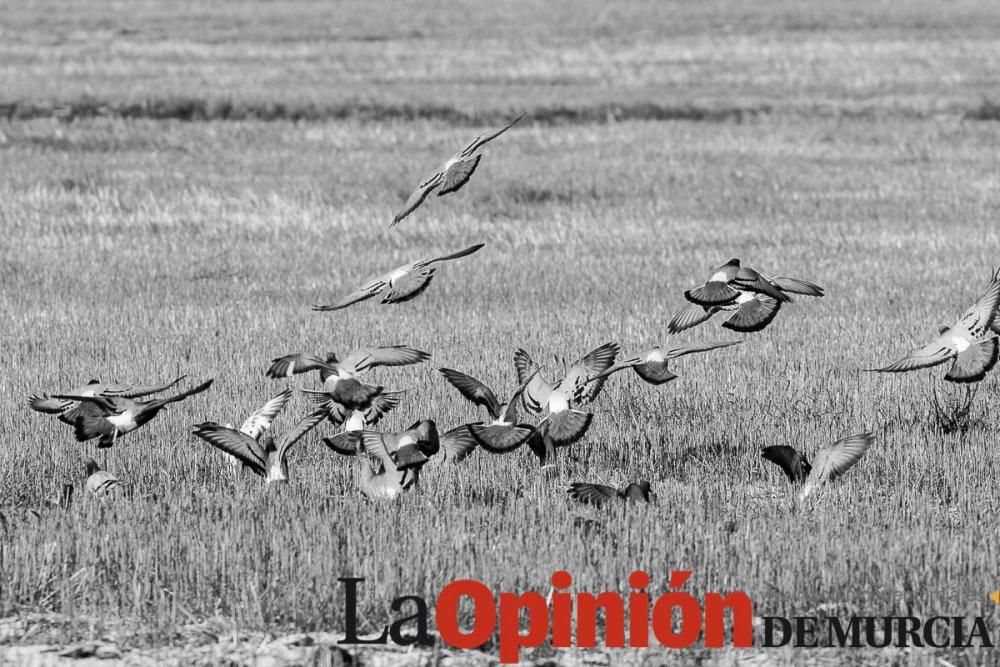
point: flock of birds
(389, 463)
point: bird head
(91, 466)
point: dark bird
(401, 284)
(600, 495)
(339, 377)
(653, 366)
(452, 175)
(970, 344)
(831, 462)
(405, 453)
(359, 420)
(47, 404)
(726, 283)
(109, 417)
(260, 454)
(751, 312)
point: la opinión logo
(628, 619)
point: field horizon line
(193, 109)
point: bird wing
(580, 380)
(409, 286)
(499, 438)
(137, 391)
(692, 348)
(376, 444)
(973, 364)
(458, 443)
(417, 197)
(303, 426)
(382, 404)
(749, 279)
(536, 393)
(293, 364)
(980, 317)
(457, 255)
(833, 461)
(788, 459)
(260, 421)
(473, 390)
(47, 404)
(691, 316)
(795, 286)
(510, 412)
(393, 355)
(366, 291)
(593, 494)
(753, 313)
(485, 138)
(237, 444)
(181, 396)
(938, 351)
(458, 174)
(566, 427)
(345, 443)
(108, 405)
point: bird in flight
(401, 284)
(830, 463)
(653, 366)
(339, 376)
(398, 456)
(970, 344)
(538, 390)
(452, 175)
(500, 435)
(63, 407)
(754, 299)
(258, 423)
(600, 494)
(257, 449)
(110, 417)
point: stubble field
(139, 249)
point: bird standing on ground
(100, 482)
(110, 417)
(452, 175)
(970, 344)
(401, 284)
(831, 462)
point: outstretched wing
(593, 494)
(137, 391)
(510, 413)
(47, 404)
(795, 286)
(691, 316)
(500, 438)
(483, 139)
(293, 364)
(566, 427)
(417, 197)
(536, 393)
(753, 313)
(934, 353)
(584, 380)
(458, 174)
(231, 441)
(304, 425)
(458, 443)
(382, 404)
(748, 279)
(473, 390)
(393, 355)
(973, 364)
(345, 443)
(257, 423)
(835, 460)
(692, 348)
(980, 317)
(458, 255)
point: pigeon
(538, 390)
(600, 495)
(100, 482)
(500, 435)
(970, 344)
(63, 407)
(452, 175)
(110, 417)
(405, 452)
(401, 284)
(653, 365)
(259, 453)
(258, 423)
(831, 462)
(751, 312)
(358, 420)
(339, 377)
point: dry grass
(138, 250)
